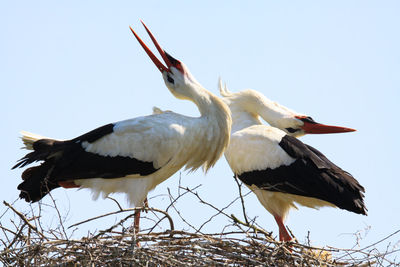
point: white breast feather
(168, 139)
(256, 148)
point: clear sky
(67, 68)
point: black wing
(310, 175)
(68, 160)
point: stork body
(280, 169)
(133, 156)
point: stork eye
(292, 130)
(306, 119)
(169, 78)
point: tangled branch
(240, 243)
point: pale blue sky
(66, 68)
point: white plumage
(255, 148)
(169, 140)
(279, 169)
(133, 156)
(249, 105)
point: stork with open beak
(279, 168)
(135, 155)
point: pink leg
(146, 203)
(136, 221)
(136, 228)
(283, 233)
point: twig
(1, 216)
(25, 219)
(171, 222)
(156, 224)
(380, 241)
(112, 227)
(241, 198)
(256, 229)
(179, 195)
(177, 211)
(116, 202)
(59, 216)
(239, 244)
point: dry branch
(242, 244)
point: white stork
(135, 155)
(279, 168)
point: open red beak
(155, 60)
(312, 127)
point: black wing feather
(68, 160)
(310, 175)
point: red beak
(312, 127)
(155, 60)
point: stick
(25, 220)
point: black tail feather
(42, 149)
(36, 183)
(27, 159)
(68, 161)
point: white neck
(242, 119)
(272, 112)
(248, 105)
(214, 125)
(205, 101)
(218, 120)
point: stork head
(176, 75)
(276, 115)
(306, 125)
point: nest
(26, 243)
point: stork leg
(283, 233)
(146, 204)
(136, 220)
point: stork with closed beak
(135, 155)
(280, 169)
